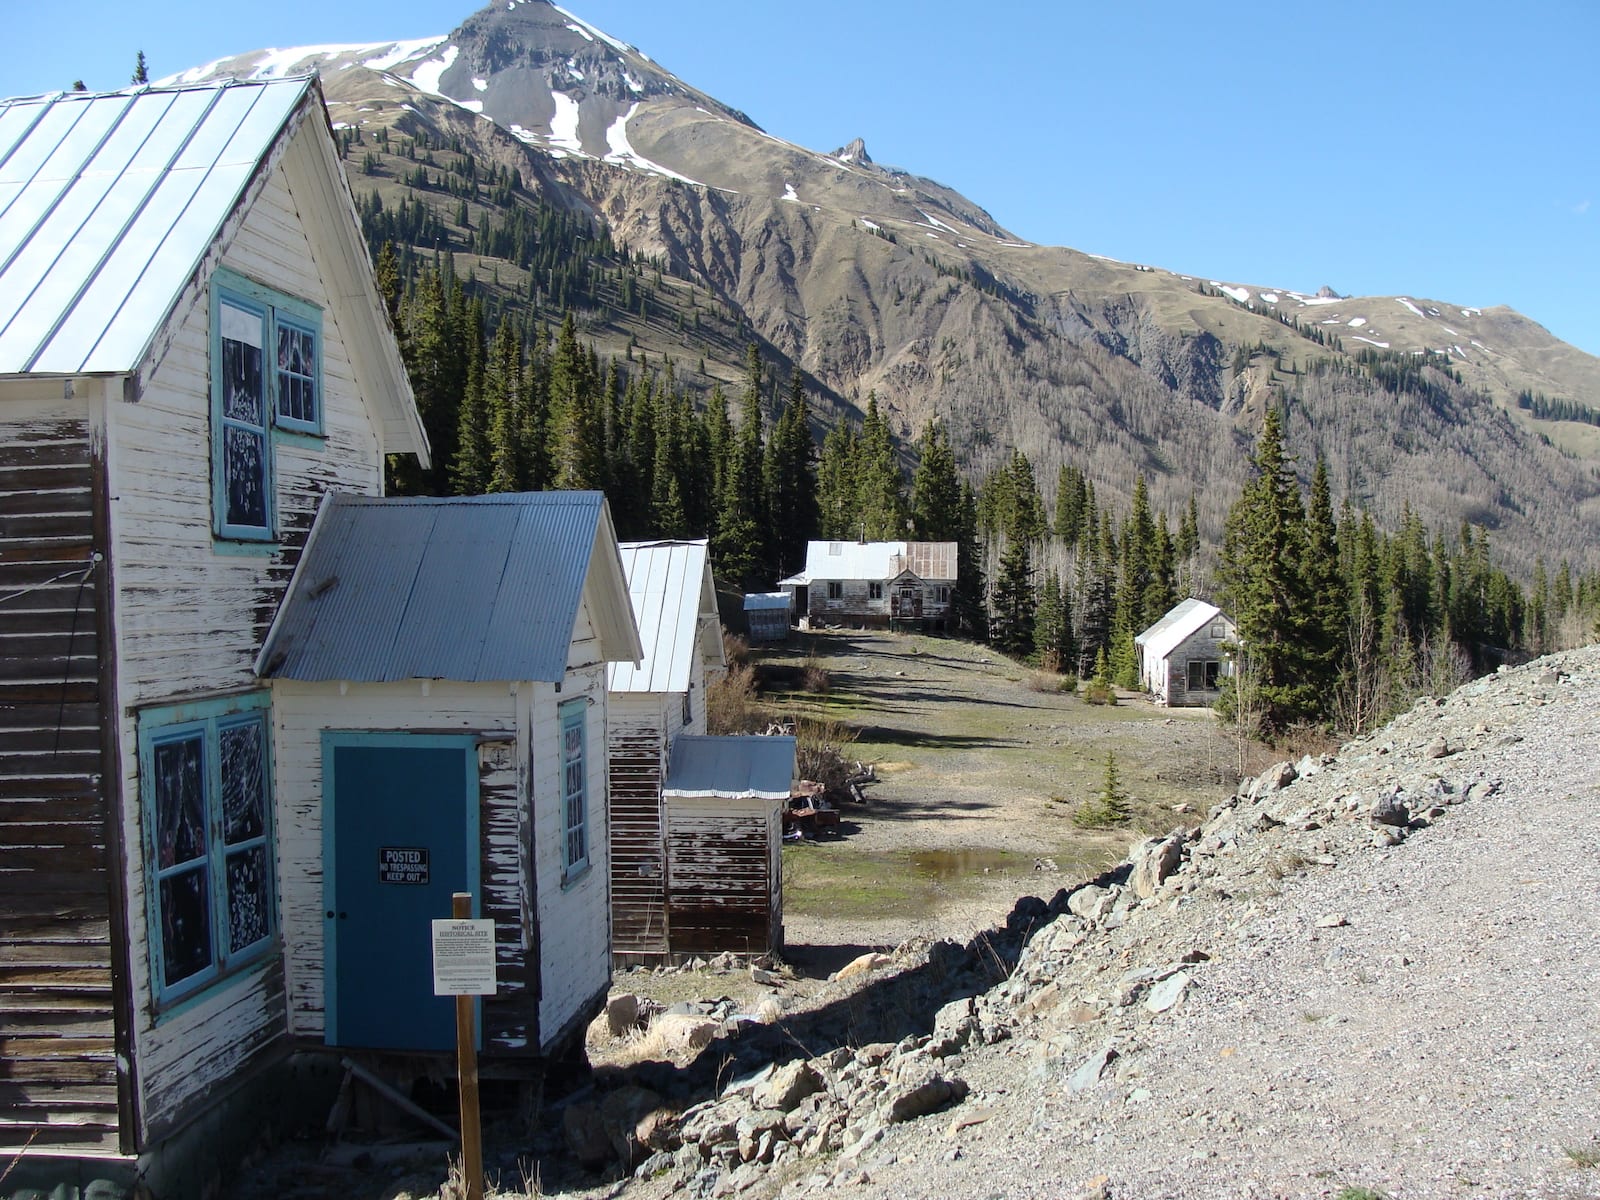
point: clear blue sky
(1440, 150)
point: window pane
(241, 382)
(243, 780)
(180, 831)
(185, 925)
(297, 361)
(247, 897)
(244, 468)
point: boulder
(863, 965)
(585, 1135)
(1153, 860)
(1090, 1070)
(1086, 902)
(1389, 809)
(684, 1031)
(631, 1115)
(624, 1012)
(917, 1090)
(788, 1086)
(1167, 993)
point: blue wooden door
(400, 834)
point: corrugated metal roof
(670, 586)
(1180, 622)
(108, 204)
(876, 561)
(468, 588)
(765, 601)
(732, 768)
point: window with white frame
(574, 787)
(835, 590)
(266, 374)
(206, 799)
(874, 590)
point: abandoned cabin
(766, 616)
(1182, 660)
(896, 584)
(193, 357)
(651, 703)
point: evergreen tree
(1264, 586)
(1108, 806)
(967, 600)
(1052, 626)
(790, 478)
(141, 73)
(935, 488)
(1327, 614)
(836, 483)
(880, 490)
(1011, 623)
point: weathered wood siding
(856, 604)
(720, 875)
(499, 713)
(641, 726)
(1200, 646)
(58, 1075)
(190, 619)
(573, 915)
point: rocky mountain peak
(855, 151)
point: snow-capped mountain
(873, 278)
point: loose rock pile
(1071, 982)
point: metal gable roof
(670, 586)
(730, 768)
(1181, 622)
(469, 588)
(108, 204)
(876, 561)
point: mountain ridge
(875, 279)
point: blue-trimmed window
(206, 792)
(266, 372)
(574, 788)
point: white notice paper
(463, 958)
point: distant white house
(876, 583)
(1181, 660)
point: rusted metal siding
(720, 879)
(58, 1075)
(638, 860)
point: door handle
(344, 916)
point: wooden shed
(903, 584)
(724, 799)
(192, 351)
(766, 616)
(651, 703)
(438, 678)
(1182, 660)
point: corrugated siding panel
(720, 881)
(57, 1048)
(638, 867)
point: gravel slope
(1442, 1041)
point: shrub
(1049, 681)
(735, 649)
(814, 677)
(731, 704)
(820, 753)
(1098, 691)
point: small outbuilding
(724, 799)
(1182, 662)
(766, 616)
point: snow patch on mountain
(789, 193)
(1358, 338)
(1357, 322)
(1270, 297)
(564, 125)
(426, 76)
(1402, 300)
(1241, 294)
(579, 25)
(481, 85)
(622, 153)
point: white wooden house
(192, 352)
(904, 584)
(1182, 661)
(438, 679)
(664, 695)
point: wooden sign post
(463, 967)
